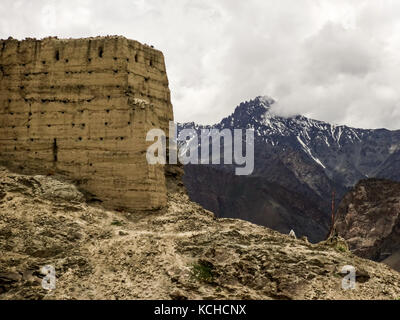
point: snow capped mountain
(257, 114)
(303, 156)
(334, 148)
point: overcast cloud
(337, 61)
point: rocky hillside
(369, 219)
(255, 199)
(177, 253)
(306, 158)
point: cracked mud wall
(82, 108)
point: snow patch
(308, 151)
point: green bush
(117, 223)
(341, 248)
(203, 271)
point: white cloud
(333, 60)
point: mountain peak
(302, 155)
(265, 100)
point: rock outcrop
(369, 219)
(82, 108)
(180, 252)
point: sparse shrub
(117, 223)
(341, 248)
(203, 271)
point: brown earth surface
(180, 252)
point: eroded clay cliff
(82, 108)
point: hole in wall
(136, 58)
(66, 60)
(57, 55)
(101, 51)
(55, 150)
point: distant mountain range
(298, 162)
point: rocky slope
(255, 199)
(369, 219)
(177, 253)
(307, 158)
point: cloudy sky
(337, 61)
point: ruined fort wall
(82, 108)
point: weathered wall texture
(82, 108)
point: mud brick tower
(81, 108)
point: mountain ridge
(303, 155)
